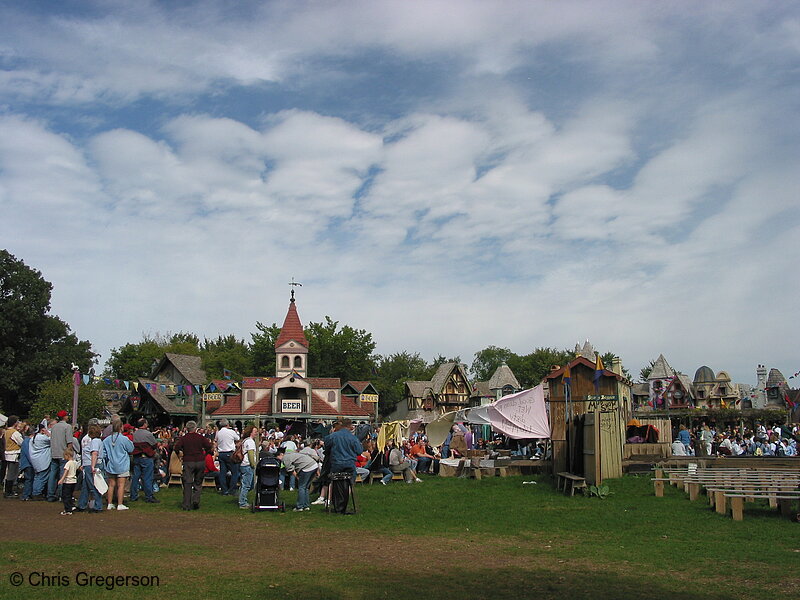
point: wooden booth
(587, 421)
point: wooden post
(659, 486)
(694, 491)
(737, 509)
(721, 503)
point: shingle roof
(327, 383)
(259, 383)
(232, 407)
(320, 407)
(661, 369)
(161, 398)
(503, 375)
(481, 389)
(417, 389)
(443, 372)
(776, 379)
(292, 328)
(350, 408)
(358, 386)
(191, 367)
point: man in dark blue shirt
(343, 448)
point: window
(332, 397)
(298, 362)
(251, 396)
(284, 362)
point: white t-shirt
(226, 439)
(249, 444)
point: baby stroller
(267, 489)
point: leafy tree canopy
(56, 395)
(136, 360)
(341, 352)
(392, 373)
(35, 346)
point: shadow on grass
(464, 582)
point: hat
(62, 414)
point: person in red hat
(60, 439)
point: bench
(378, 475)
(567, 481)
(784, 500)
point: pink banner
(521, 415)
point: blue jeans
(40, 482)
(246, 472)
(424, 464)
(142, 469)
(53, 489)
(303, 483)
(27, 491)
(88, 491)
(284, 476)
(387, 474)
(226, 465)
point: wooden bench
(378, 475)
(784, 500)
(567, 481)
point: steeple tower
(291, 347)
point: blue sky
(445, 174)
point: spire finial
(294, 284)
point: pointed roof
(503, 376)
(661, 369)
(292, 328)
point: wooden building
(588, 426)
(448, 390)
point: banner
(521, 415)
(368, 398)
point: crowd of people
(113, 466)
(778, 440)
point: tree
(229, 353)
(438, 362)
(531, 368)
(608, 358)
(343, 352)
(392, 373)
(487, 360)
(35, 346)
(646, 370)
(136, 360)
(263, 348)
(56, 395)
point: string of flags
(795, 375)
(188, 390)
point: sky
(446, 174)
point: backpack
(238, 454)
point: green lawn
(444, 538)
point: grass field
(444, 538)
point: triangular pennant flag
(163, 387)
(172, 388)
(136, 385)
(212, 388)
(86, 379)
(127, 384)
(197, 388)
(116, 383)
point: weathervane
(294, 284)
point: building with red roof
(290, 394)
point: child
(68, 481)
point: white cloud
(576, 169)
